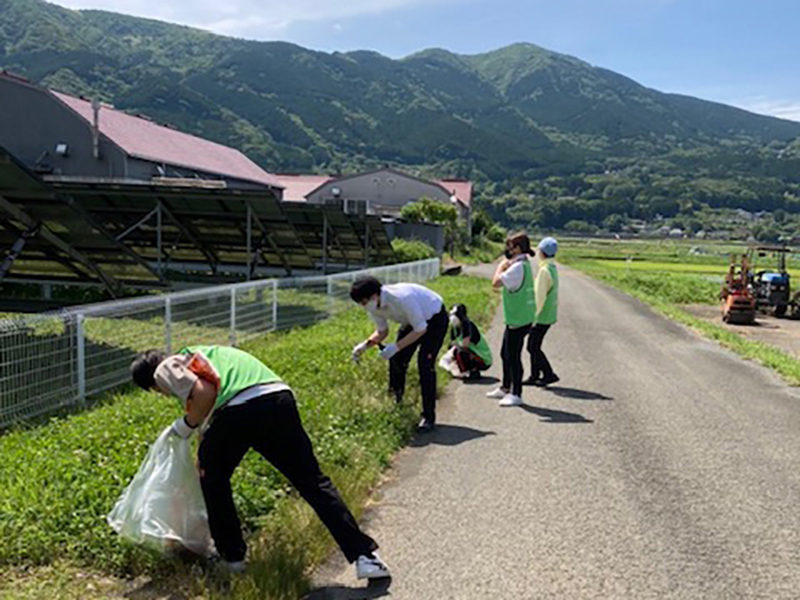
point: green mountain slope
(518, 113)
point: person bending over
(246, 405)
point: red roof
(460, 188)
(297, 187)
(144, 139)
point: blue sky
(740, 52)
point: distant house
(676, 232)
(61, 137)
(384, 191)
(296, 188)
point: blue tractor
(772, 288)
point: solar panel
(121, 231)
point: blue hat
(549, 246)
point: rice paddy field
(677, 277)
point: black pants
(429, 346)
(513, 340)
(468, 361)
(540, 366)
(271, 426)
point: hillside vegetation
(549, 138)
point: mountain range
(519, 109)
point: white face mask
(455, 321)
(372, 305)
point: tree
(426, 210)
(577, 226)
(614, 223)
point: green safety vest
(549, 313)
(481, 348)
(519, 307)
(237, 370)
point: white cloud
(245, 18)
(783, 109)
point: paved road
(660, 467)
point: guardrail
(54, 360)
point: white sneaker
(510, 400)
(497, 393)
(371, 567)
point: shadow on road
(483, 379)
(576, 394)
(449, 435)
(377, 588)
(555, 416)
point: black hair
(143, 368)
(364, 288)
(522, 241)
(459, 310)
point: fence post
(233, 316)
(274, 304)
(168, 325)
(330, 294)
(81, 348)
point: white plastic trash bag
(163, 506)
(448, 362)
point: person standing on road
(546, 293)
(515, 276)
(248, 406)
(423, 324)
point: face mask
(372, 305)
(455, 321)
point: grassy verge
(480, 251)
(667, 292)
(59, 480)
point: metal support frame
(136, 225)
(267, 235)
(112, 285)
(17, 247)
(249, 240)
(90, 220)
(324, 242)
(158, 237)
(213, 259)
(366, 234)
(339, 244)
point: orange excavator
(738, 302)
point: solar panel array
(126, 232)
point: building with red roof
(66, 137)
(382, 191)
(296, 188)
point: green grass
(59, 480)
(480, 251)
(668, 290)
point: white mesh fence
(54, 360)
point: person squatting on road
(423, 324)
(472, 352)
(514, 275)
(546, 295)
(246, 405)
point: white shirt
(514, 275)
(407, 304)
